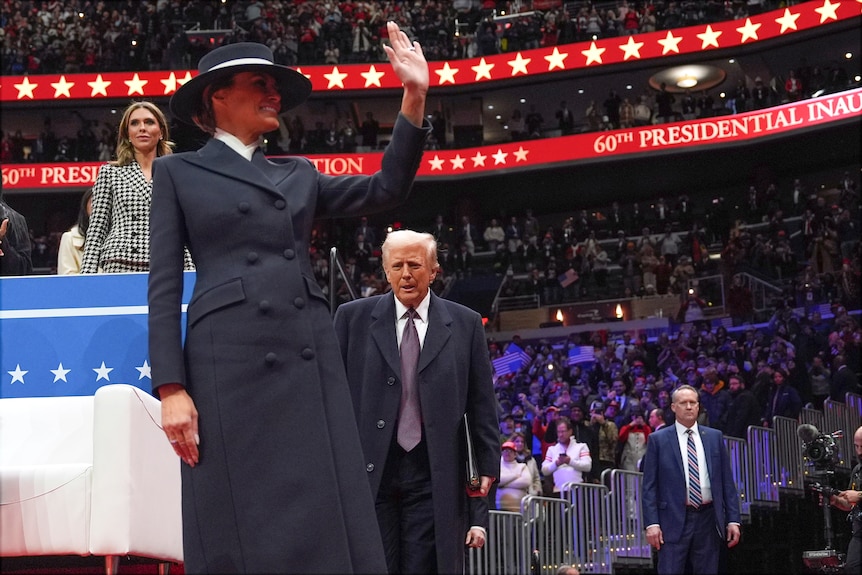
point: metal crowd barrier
(549, 524)
(763, 452)
(837, 417)
(588, 505)
(737, 450)
(854, 408)
(506, 549)
(627, 537)
(595, 527)
(812, 417)
(790, 469)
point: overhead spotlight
(687, 82)
(848, 55)
(732, 61)
(523, 100)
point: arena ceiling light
(691, 76)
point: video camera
(819, 449)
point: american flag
(568, 278)
(511, 361)
(582, 354)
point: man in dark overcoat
(422, 502)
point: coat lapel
(673, 439)
(382, 330)
(705, 440)
(217, 157)
(276, 172)
(439, 332)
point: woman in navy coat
(256, 401)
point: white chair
(89, 475)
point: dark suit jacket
(843, 381)
(787, 404)
(665, 488)
(742, 412)
(454, 377)
(281, 468)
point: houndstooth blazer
(120, 223)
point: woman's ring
(174, 441)
(412, 48)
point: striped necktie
(694, 495)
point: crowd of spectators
(53, 36)
(744, 377)
(643, 251)
(805, 239)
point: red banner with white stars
(530, 154)
(566, 57)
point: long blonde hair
(125, 151)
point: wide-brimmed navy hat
(231, 59)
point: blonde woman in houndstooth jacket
(119, 234)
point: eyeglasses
(686, 403)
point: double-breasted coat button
(134, 250)
(279, 204)
(369, 468)
(251, 257)
(244, 207)
(299, 303)
(381, 424)
(264, 305)
(390, 381)
(270, 358)
(307, 353)
(289, 254)
(134, 234)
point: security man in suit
(690, 502)
(411, 445)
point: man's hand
(733, 535)
(475, 538)
(654, 536)
(484, 487)
(851, 496)
(563, 459)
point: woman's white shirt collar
(236, 144)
